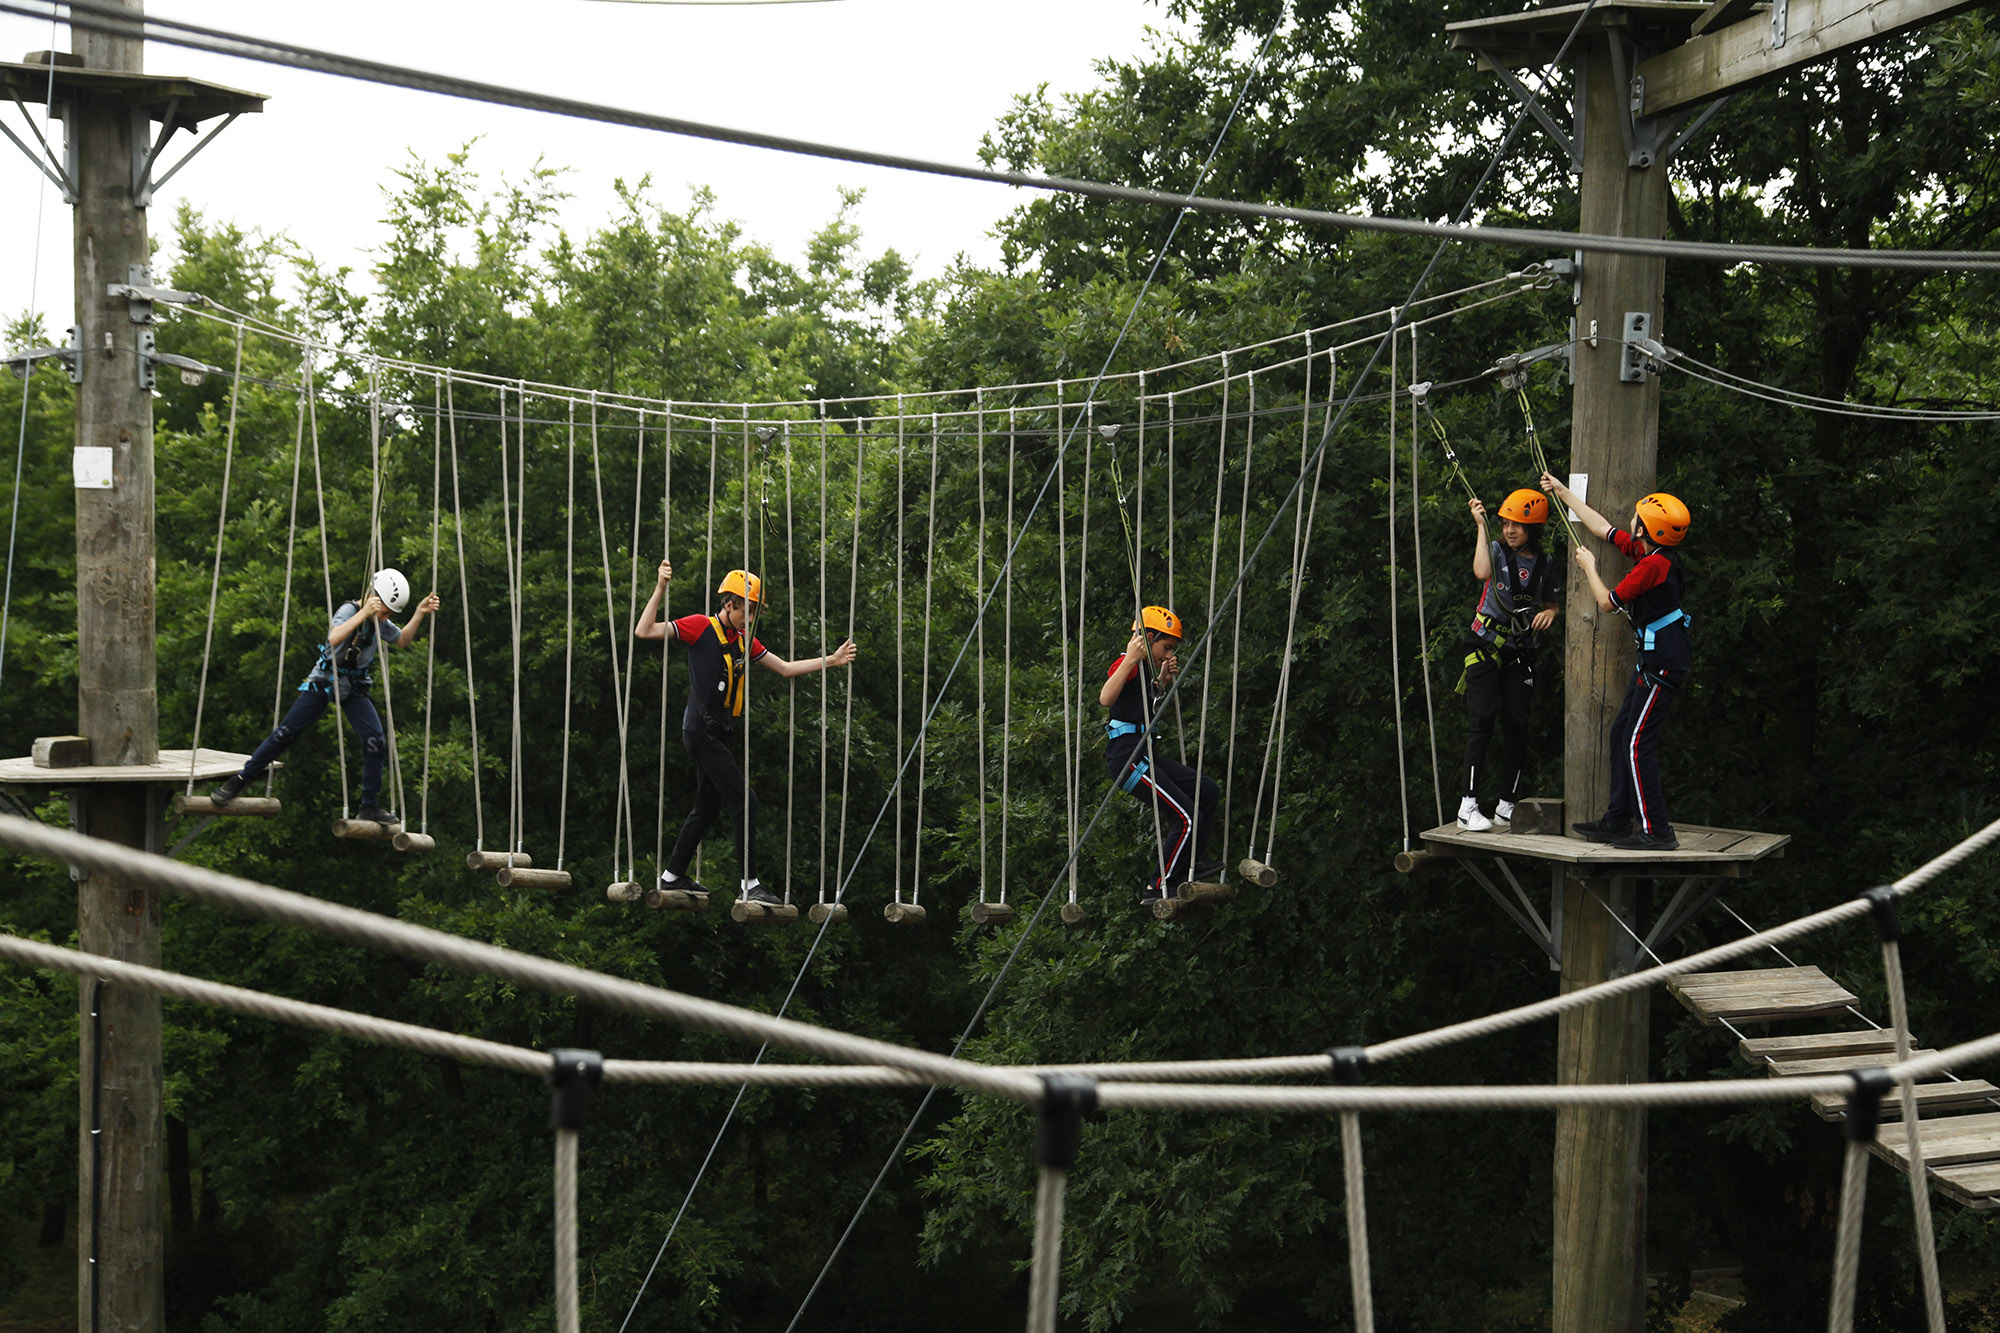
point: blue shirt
(356, 656)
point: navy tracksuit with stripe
(1183, 798)
(1649, 594)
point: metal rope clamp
(572, 1074)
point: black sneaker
(681, 885)
(758, 893)
(227, 790)
(1153, 893)
(386, 818)
(1602, 830)
(1663, 841)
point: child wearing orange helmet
(717, 661)
(1520, 592)
(1183, 798)
(1650, 596)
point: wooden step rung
(1974, 1184)
(365, 830)
(1762, 995)
(903, 914)
(676, 900)
(1182, 909)
(821, 913)
(497, 860)
(1948, 1141)
(991, 914)
(516, 877)
(1932, 1099)
(776, 913)
(1205, 893)
(414, 843)
(243, 807)
(1072, 914)
(1836, 1064)
(1816, 1046)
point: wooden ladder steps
(1754, 1051)
(1961, 1155)
(1932, 1099)
(1763, 995)
(1974, 1184)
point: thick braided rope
(413, 941)
(569, 1318)
(101, 18)
(1357, 1224)
(1288, 1100)
(1847, 1245)
(1045, 1276)
(1920, 1193)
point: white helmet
(393, 589)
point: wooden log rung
(1420, 862)
(519, 877)
(244, 807)
(903, 914)
(774, 913)
(365, 830)
(1072, 914)
(1206, 893)
(821, 913)
(1260, 874)
(498, 860)
(1182, 909)
(991, 914)
(624, 891)
(414, 843)
(676, 900)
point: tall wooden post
(1600, 1193)
(120, 1235)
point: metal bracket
(146, 149)
(140, 294)
(1652, 140)
(1638, 364)
(1778, 18)
(1524, 914)
(21, 363)
(1570, 145)
(193, 372)
(1695, 893)
(61, 174)
(1516, 368)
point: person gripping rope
(1650, 596)
(1184, 799)
(1521, 594)
(346, 669)
(718, 658)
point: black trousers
(718, 787)
(1635, 753)
(1498, 689)
(1185, 801)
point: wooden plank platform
(1761, 996)
(208, 766)
(1754, 1051)
(1974, 1184)
(1713, 852)
(1949, 1141)
(1837, 1064)
(1932, 1099)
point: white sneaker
(1469, 817)
(1503, 812)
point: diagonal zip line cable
(896, 786)
(101, 18)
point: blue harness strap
(1132, 779)
(1114, 729)
(1647, 632)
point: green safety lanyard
(1444, 442)
(1540, 459)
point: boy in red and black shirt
(1650, 596)
(717, 661)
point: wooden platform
(172, 770)
(1762, 995)
(1704, 852)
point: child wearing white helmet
(720, 650)
(346, 671)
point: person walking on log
(717, 661)
(1519, 598)
(1650, 597)
(346, 670)
(1184, 799)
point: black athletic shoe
(1206, 872)
(1663, 841)
(1602, 830)
(227, 790)
(759, 893)
(682, 885)
(1153, 893)
(386, 818)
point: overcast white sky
(921, 77)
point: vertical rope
(1357, 1224)
(430, 644)
(667, 639)
(1214, 559)
(1395, 643)
(221, 527)
(1071, 740)
(924, 688)
(1236, 639)
(979, 622)
(1417, 556)
(619, 677)
(568, 1313)
(377, 560)
(326, 572)
(291, 545)
(465, 611)
(1082, 682)
(901, 558)
(821, 547)
(513, 842)
(1139, 613)
(520, 778)
(1847, 1242)
(569, 630)
(1007, 654)
(625, 784)
(1045, 1278)
(1298, 589)
(749, 637)
(1920, 1193)
(853, 590)
(791, 652)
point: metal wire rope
(98, 17)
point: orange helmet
(747, 586)
(1161, 621)
(1525, 506)
(1664, 518)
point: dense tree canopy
(1844, 693)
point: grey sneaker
(758, 893)
(227, 790)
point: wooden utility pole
(1600, 1162)
(121, 1270)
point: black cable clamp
(572, 1074)
(1066, 1100)
(1350, 1065)
(1864, 1103)
(1881, 902)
